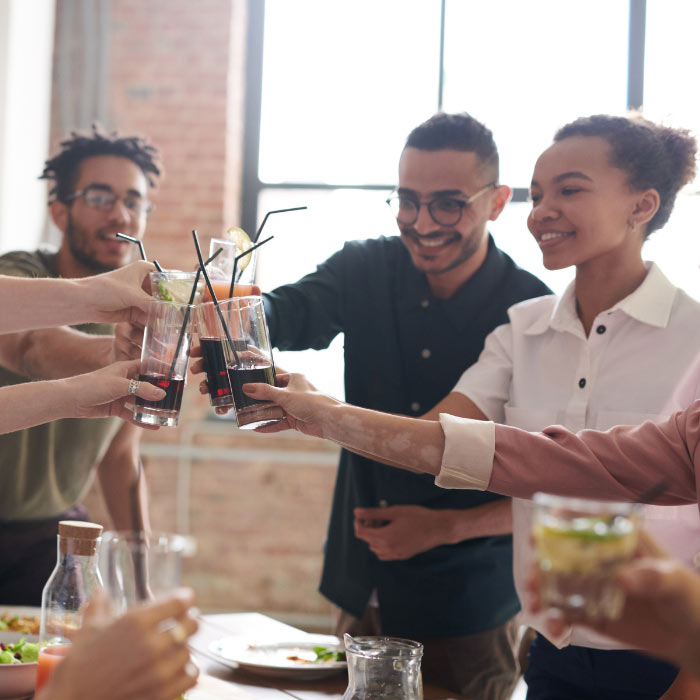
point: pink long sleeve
(620, 463)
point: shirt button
(383, 503)
(415, 406)
(425, 354)
(600, 330)
(425, 303)
(582, 382)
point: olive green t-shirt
(47, 469)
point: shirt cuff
(467, 461)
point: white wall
(26, 50)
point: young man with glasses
(100, 187)
(415, 310)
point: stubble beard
(76, 237)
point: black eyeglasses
(444, 211)
(104, 199)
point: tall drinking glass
(221, 270)
(212, 339)
(579, 545)
(222, 266)
(250, 359)
(164, 360)
(138, 567)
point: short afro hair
(63, 168)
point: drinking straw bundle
(187, 313)
(269, 213)
(255, 242)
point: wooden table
(220, 682)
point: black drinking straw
(275, 211)
(187, 314)
(213, 296)
(141, 248)
(134, 240)
(242, 255)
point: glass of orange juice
(222, 287)
(49, 657)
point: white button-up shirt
(541, 369)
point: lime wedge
(243, 243)
(177, 291)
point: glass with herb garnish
(579, 545)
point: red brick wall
(175, 73)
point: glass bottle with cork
(67, 592)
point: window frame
(252, 186)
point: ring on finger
(133, 387)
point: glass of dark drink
(249, 360)
(212, 339)
(165, 355)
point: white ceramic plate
(17, 681)
(273, 659)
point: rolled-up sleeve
(467, 460)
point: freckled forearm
(408, 443)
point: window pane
(671, 52)
(307, 238)
(343, 84)
(676, 248)
(527, 68)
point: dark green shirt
(47, 469)
(404, 352)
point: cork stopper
(78, 537)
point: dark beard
(467, 249)
(73, 236)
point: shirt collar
(650, 303)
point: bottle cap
(83, 535)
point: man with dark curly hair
(100, 187)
